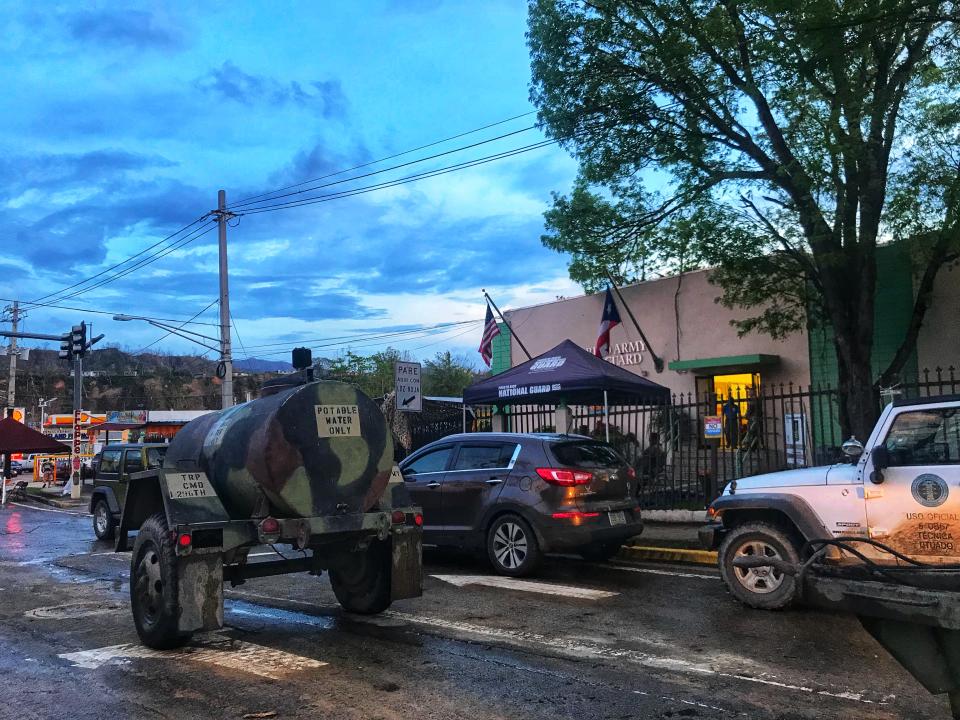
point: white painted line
(579, 649)
(225, 653)
(668, 573)
(509, 583)
(53, 510)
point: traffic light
(64, 353)
(78, 339)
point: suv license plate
(617, 518)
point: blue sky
(122, 122)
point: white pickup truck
(902, 489)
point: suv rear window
(586, 454)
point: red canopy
(15, 437)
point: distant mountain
(258, 365)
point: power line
(377, 343)
(237, 333)
(122, 262)
(388, 157)
(408, 331)
(400, 181)
(183, 242)
(103, 312)
(375, 172)
(170, 332)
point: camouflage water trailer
(309, 466)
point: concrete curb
(84, 503)
(642, 553)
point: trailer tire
(760, 588)
(361, 581)
(154, 586)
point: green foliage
(778, 142)
(447, 375)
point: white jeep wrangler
(901, 489)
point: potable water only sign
(407, 384)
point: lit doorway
(735, 398)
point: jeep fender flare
(793, 507)
(107, 494)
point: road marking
(40, 509)
(508, 583)
(222, 652)
(578, 649)
(669, 573)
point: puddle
(270, 614)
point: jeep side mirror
(852, 448)
(880, 456)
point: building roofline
(622, 287)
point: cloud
(19, 173)
(230, 82)
(124, 28)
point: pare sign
(406, 377)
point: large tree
(780, 141)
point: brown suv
(519, 495)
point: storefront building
(692, 333)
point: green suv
(113, 466)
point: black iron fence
(686, 450)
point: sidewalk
(51, 495)
(669, 542)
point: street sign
(407, 384)
(19, 414)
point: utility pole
(225, 369)
(12, 382)
(11, 393)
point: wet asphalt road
(658, 642)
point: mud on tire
(761, 588)
(153, 586)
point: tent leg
(464, 423)
(606, 415)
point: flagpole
(512, 333)
(657, 361)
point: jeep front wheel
(763, 587)
(103, 525)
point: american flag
(490, 331)
(609, 320)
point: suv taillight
(564, 476)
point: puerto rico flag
(609, 320)
(490, 331)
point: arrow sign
(508, 583)
(406, 376)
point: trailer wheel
(153, 586)
(361, 580)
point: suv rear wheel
(512, 547)
(763, 588)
